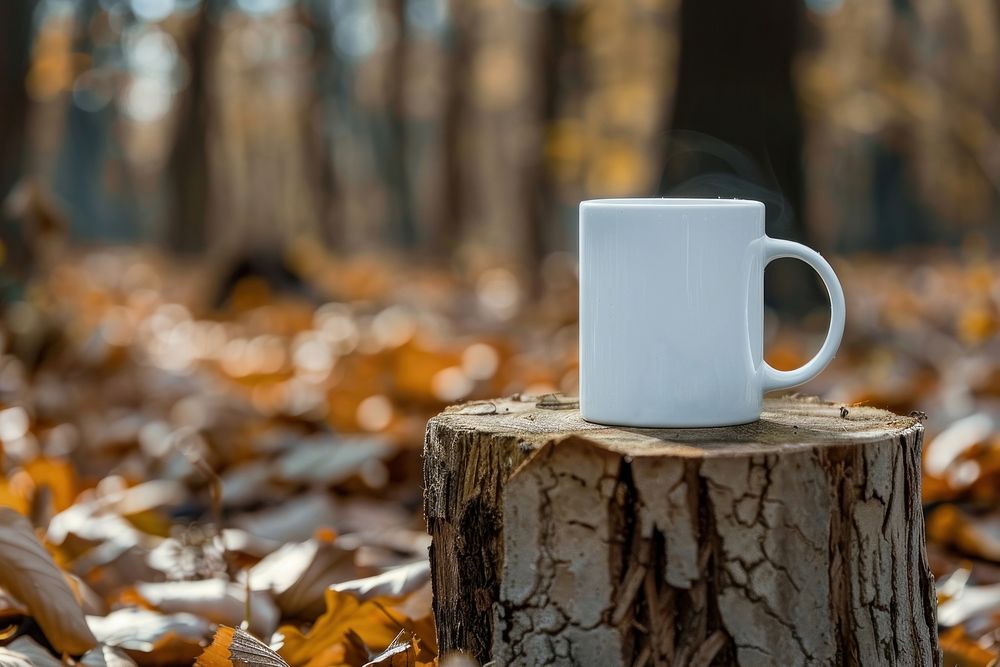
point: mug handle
(775, 379)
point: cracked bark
(796, 540)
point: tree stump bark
(795, 540)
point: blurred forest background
(431, 126)
(249, 247)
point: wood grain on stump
(794, 540)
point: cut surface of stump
(794, 540)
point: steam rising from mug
(700, 165)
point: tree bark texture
(794, 540)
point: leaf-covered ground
(223, 468)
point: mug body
(671, 311)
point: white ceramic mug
(672, 312)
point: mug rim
(674, 202)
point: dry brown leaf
(970, 602)
(402, 652)
(417, 608)
(103, 655)
(27, 649)
(10, 607)
(146, 497)
(11, 658)
(380, 550)
(87, 524)
(113, 565)
(217, 600)
(243, 484)
(56, 475)
(28, 572)
(91, 603)
(324, 643)
(943, 450)
(240, 541)
(232, 647)
(152, 638)
(961, 651)
(395, 583)
(329, 461)
(293, 521)
(16, 494)
(977, 536)
(298, 575)
(368, 515)
(142, 505)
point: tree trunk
(795, 540)
(188, 163)
(15, 60)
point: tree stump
(794, 540)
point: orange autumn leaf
(29, 574)
(404, 651)
(56, 475)
(961, 651)
(232, 647)
(977, 324)
(325, 643)
(15, 494)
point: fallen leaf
(17, 495)
(977, 536)
(244, 483)
(91, 603)
(417, 608)
(56, 475)
(402, 652)
(970, 602)
(27, 649)
(232, 647)
(383, 549)
(236, 540)
(324, 643)
(327, 461)
(292, 521)
(361, 515)
(961, 651)
(87, 524)
(954, 441)
(10, 607)
(143, 505)
(103, 655)
(145, 497)
(11, 658)
(217, 600)
(395, 583)
(298, 575)
(114, 565)
(152, 638)
(28, 572)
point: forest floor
(196, 458)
